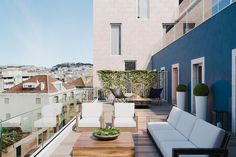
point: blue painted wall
(214, 40)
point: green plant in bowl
(106, 133)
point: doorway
(197, 76)
(162, 77)
(175, 81)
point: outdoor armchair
(124, 117)
(118, 94)
(90, 117)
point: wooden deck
(144, 146)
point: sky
(45, 32)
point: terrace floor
(144, 147)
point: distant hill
(68, 65)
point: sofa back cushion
(92, 110)
(206, 135)
(185, 124)
(174, 116)
(124, 110)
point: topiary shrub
(201, 89)
(181, 88)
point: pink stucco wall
(138, 36)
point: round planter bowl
(106, 138)
(201, 106)
(180, 96)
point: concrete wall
(213, 40)
(138, 35)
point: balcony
(189, 15)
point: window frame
(135, 64)
(120, 36)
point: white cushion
(206, 135)
(167, 146)
(167, 135)
(159, 126)
(47, 122)
(186, 123)
(92, 109)
(89, 122)
(124, 110)
(124, 122)
(174, 116)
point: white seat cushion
(45, 123)
(167, 146)
(92, 109)
(89, 122)
(206, 135)
(186, 123)
(124, 122)
(124, 110)
(159, 126)
(174, 116)
(167, 135)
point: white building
(125, 32)
(36, 92)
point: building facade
(34, 93)
(206, 54)
(124, 32)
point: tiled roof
(41, 79)
(78, 82)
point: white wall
(138, 36)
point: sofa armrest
(136, 120)
(78, 117)
(101, 119)
(176, 152)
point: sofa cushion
(92, 110)
(89, 122)
(124, 122)
(159, 126)
(174, 116)
(124, 110)
(186, 123)
(167, 146)
(206, 135)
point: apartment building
(205, 53)
(125, 31)
(36, 92)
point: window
(130, 65)
(56, 99)
(8, 115)
(167, 26)
(143, 9)
(115, 39)
(38, 100)
(188, 27)
(6, 100)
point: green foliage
(181, 88)
(106, 131)
(201, 89)
(142, 80)
(10, 136)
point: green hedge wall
(142, 81)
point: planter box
(180, 96)
(201, 106)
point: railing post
(1, 141)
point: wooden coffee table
(89, 146)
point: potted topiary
(201, 92)
(180, 96)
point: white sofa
(184, 134)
